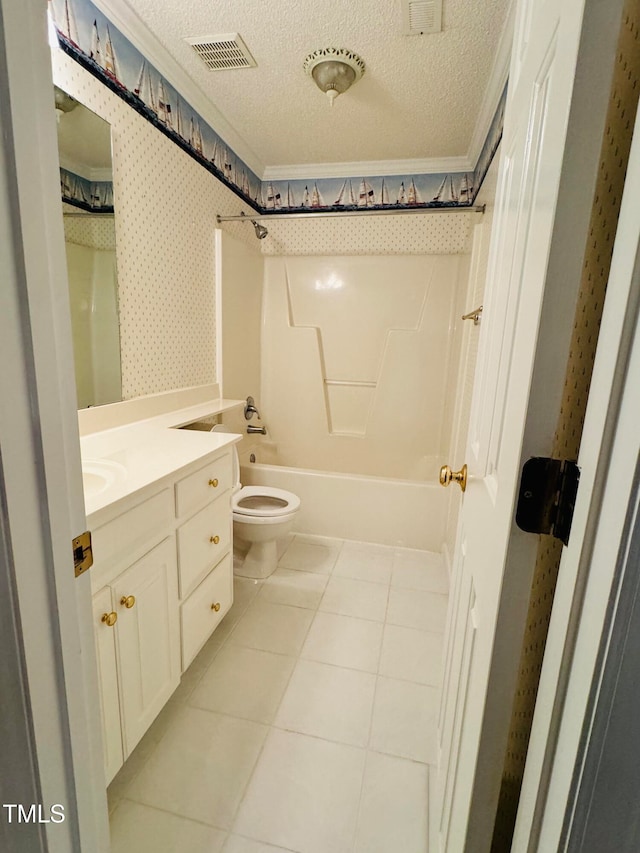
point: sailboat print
(214, 155)
(346, 196)
(195, 136)
(402, 195)
(274, 201)
(179, 130)
(446, 195)
(228, 165)
(96, 53)
(164, 107)
(144, 89)
(365, 194)
(291, 201)
(110, 66)
(316, 197)
(306, 198)
(67, 26)
(413, 196)
(258, 196)
(384, 193)
(466, 190)
(244, 186)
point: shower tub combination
(383, 510)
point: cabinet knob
(215, 606)
(214, 483)
(109, 619)
(128, 601)
(214, 540)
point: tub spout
(255, 430)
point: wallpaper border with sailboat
(92, 196)
(89, 37)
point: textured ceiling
(419, 97)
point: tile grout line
(271, 727)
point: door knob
(128, 601)
(110, 619)
(215, 606)
(459, 477)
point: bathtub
(386, 511)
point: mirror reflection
(84, 144)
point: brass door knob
(128, 601)
(109, 619)
(214, 483)
(447, 476)
(214, 540)
(216, 606)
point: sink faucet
(250, 409)
(255, 430)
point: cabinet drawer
(198, 613)
(202, 541)
(118, 540)
(204, 485)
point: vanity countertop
(119, 463)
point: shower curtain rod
(246, 217)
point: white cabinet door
(105, 635)
(146, 601)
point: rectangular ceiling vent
(221, 53)
(420, 17)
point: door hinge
(547, 496)
(82, 553)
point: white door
(545, 50)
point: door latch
(82, 553)
(547, 496)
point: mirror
(84, 145)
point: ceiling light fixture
(334, 69)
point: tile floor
(308, 721)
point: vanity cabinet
(138, 642)
(162, 582)
(205, 567)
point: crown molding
(368, 168)
(495, 87)
(130, 25)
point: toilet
(262, 516)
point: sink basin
(99, 474)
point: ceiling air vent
(221, 53)
(420, 17)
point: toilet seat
(264, 502)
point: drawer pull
(128, 601)
(214, 540)
(214, 483)
(109, 619)
(216, 606)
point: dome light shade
(334, 70)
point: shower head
(261, 231)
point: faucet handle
(250, 409)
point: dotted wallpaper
(165, 221)
(407, 234)
(96, 232)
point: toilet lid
(264, 501)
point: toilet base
(260, 561)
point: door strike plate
(547, 496)
(82, 553)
